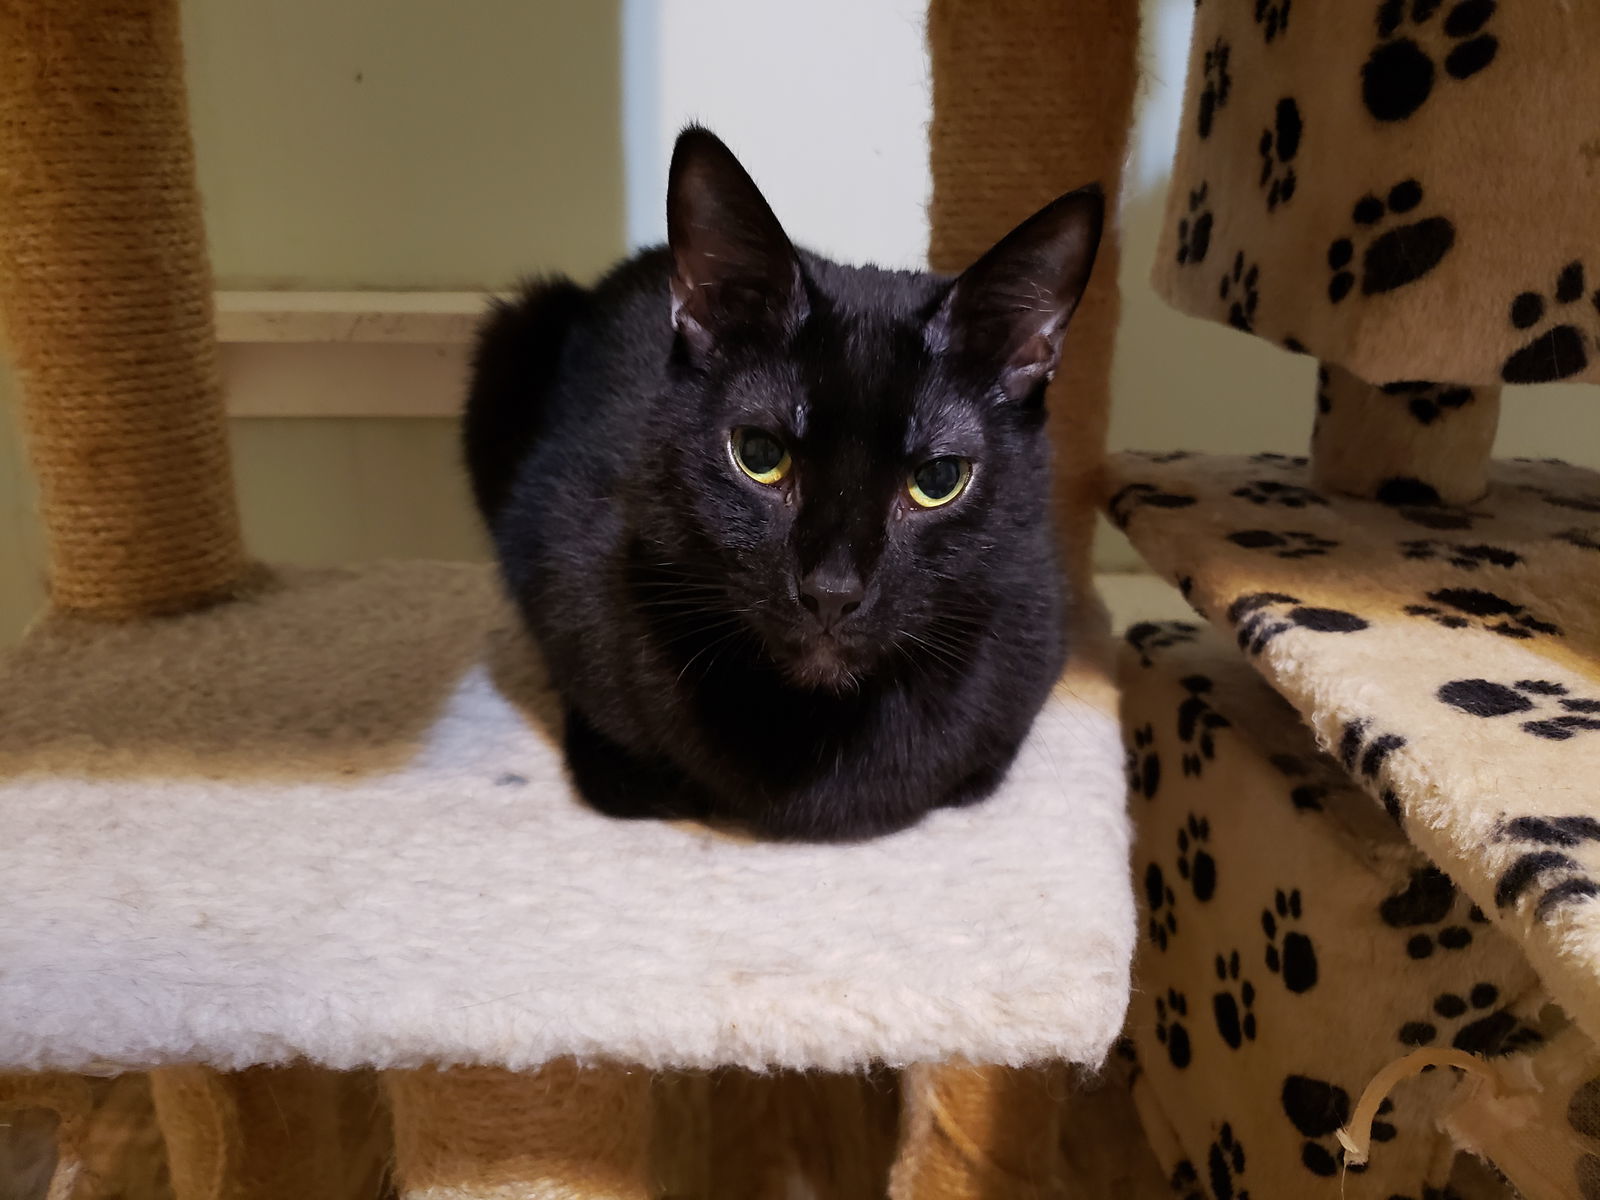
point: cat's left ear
(1008, 312)
(734, 268)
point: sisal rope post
(563, 1132)
(1032, 98)
(105, 297)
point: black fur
(663, 584)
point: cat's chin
(822, 666)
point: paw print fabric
(1447, 660)
(1295, 944)
(1369, 166)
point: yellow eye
(939, 481)
(760, 455)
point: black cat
(781, 527)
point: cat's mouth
(822, 663)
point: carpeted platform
(1449, 658)
(313, 825)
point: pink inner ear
(1034, 360)
(1035, 354)
(689, 316)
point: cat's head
(855, 459)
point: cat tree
(1388, 859)
(271, 830)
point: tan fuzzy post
(1032, 98)
(1403, 443)
(271, 1133)
(980, 1133)
(563, 1132)
(790, 1133)
(105, 298)
(124, 1154)
(44, 1120)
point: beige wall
(406, 143)
(403, 144)
(418, 144)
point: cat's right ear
(734, 268)
(1007, 314)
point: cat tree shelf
(432, 318)
(1449, 658)
(331, 822)
(347, 354)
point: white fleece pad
(314, 825)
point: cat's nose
(831, 596)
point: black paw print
(1218, 84)
(1160, 903)
(1279, 494)
(1150, 637)
(1234, 1010)
(1395, 257)
(1283, 462)
(1196, 722)
(1583, 539)
(1399, 75)
(1170, 1031)
(1324, 398)
(1277, 148)
(1194, 229)
(1577, 501)
(1544, 863)
(1225, 1166)
(1135, 496)
(1194, 861)
(1439, 517)
(1273, 17)
(1318, 1110)
(1559, 714)
(1290, 953)
(1430, 899)
(1287, 543)
(1184, 1182)
(1427, 402)
(1457, 554)
(1462, 608)
(1240, 291)
(1560, 350)
(1305, 796)
(1363, 753)
(1406, 490)
(1481, 1028)
(1262, 616)
(1144, 765)
(1583, 1118)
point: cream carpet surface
(1448, 658)
(332, 822)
